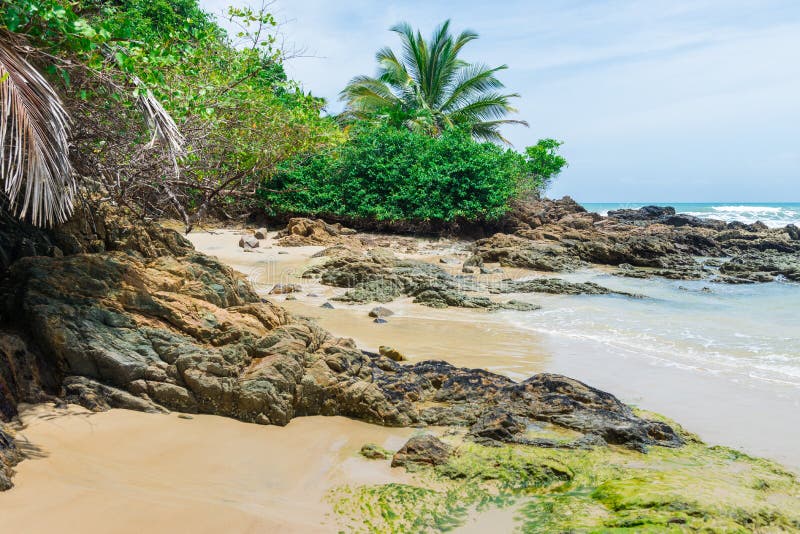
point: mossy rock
(609, 489)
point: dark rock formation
(187, 334)
(555, 286)
(422, 450)
(557, 237)
(646, 213)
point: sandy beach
(127, 472)
(722, 409)
(124, 472)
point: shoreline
(719, 409)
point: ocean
(773, 214)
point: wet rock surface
(10, 456)
(555, 286)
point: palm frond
(470, 81)
(34, 140)
(159, 121)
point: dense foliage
(170, 115)
(388, 173)
(429, 88)
(237, 112)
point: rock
(554, 286)
(10, 456)
(184, 416)
(470, 270)
(285, 289)
(761, 266)
(290, 297)
(793, 231)
(450, 261)
(646, 213)
(518, 305)
(497, 425)
(283, 252)
(261, 233)
(474, 261)
(380, 311)
(249, 241)
(380, 321)
(392, 354)
(327, 306)
(374, 452)
(181, 331)
(422, 450)
(302, 232)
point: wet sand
(131, 472)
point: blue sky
(655, 100)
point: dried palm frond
(159, 121)
(34, 151)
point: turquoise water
(773, 214)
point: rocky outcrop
(379, 276)
(149, 324)
(556, 236)
(555, 286)
(302, 232)
(186, 333)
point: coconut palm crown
(430, 88)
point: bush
(391, 174)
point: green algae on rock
(605, 489)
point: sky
(655, 101)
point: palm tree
(431, 89)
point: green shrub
(390, 174)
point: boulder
(261, 233)
(301, 231)
(391, 353)
(374, 452)
(380, 311)
(249, 241)
(285, 289)
(497, 425)
(646, 213)
(421, 451)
